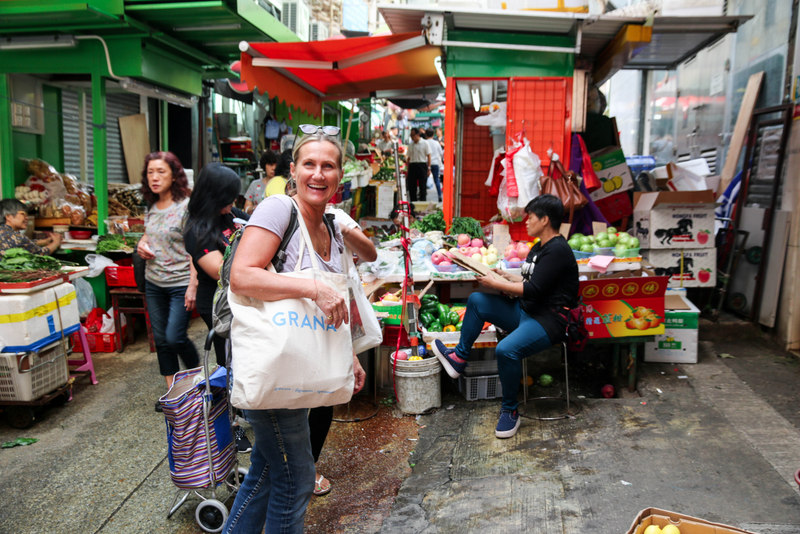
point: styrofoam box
(699, 266)
(30, 375)
(32, 320)
(678, 343)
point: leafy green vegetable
(19, 259)
(110, 242)
(433, 221)
(466, 225)
(398, 235)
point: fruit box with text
(613, 172)
(678, 343)
(624, 307)
(686, 524)
(674, 219)
(685, 268)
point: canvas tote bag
(282, 353)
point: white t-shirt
(436, 152)
(418, 152)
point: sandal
(322, 486)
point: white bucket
(418, 385)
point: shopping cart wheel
(211, 515)
(241, 472)
(20, 416)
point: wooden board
(135, 144)
(740, 130)
(472, 265)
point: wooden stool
(129, 300)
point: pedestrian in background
(436, 160)
(170, 279)
(419, 165)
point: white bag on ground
(282, 353)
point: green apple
(576, 234)
(574, 243)
(611, 230)
(612, 238)
(604, 243)
(588, 247)
(633, 242)
(601, 236)
(621, 251)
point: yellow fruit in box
(653, 529)
(390, 297)
(670, 529)
(415, 359)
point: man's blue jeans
(169, 320)
(437, 181)
(279, 484)
(526, 337)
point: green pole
(164, 125)
(6, 145)
(100, 151)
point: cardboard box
(674, 219)
(686, 523)
(678, 343)
(618, 307)
(685, 267)
(613, 171)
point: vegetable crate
(480, 387)
(98, 342)
(26, 376)
(120, 276)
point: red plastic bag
(94, 321)
(590, 179)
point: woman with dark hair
(270, 184)
(532, 308)
(170, 280)
(208, 229)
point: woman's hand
(331, 303)
(359, 373)
(191, 297)
(144, 250)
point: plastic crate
(481, 368)
(120, 276)
(480, 387)
(98, 342)
(27, 376)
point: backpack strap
(280, 254)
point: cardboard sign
(613, 172)
(501, 237)
(674, 219)
(685, 267)
(624, 307)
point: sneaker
(453, 368)
(508, 424)
(242, 443)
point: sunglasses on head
(311, 129)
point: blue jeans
(170, 321)
(280, 481)
(437, 180)
(526, 337)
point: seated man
(15, 215)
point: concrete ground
(718, 440)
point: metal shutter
(117, 105)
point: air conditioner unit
(319, 31)
(296, 15)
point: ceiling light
(35, 42)
(160, 93)
(475, 91)
(208, 28)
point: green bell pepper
(435, 326)
(453, 317)
(444, 314)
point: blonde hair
(334, 140)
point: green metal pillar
(164, 125)
(99, 133)
(6, 146)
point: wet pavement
(719, 440)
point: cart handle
(209, 339)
